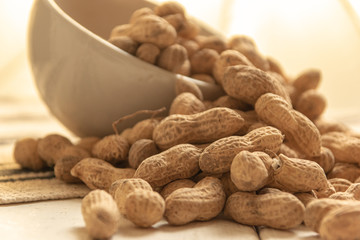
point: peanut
(228, 58)
(142, 130)
(112, 148)
(248, 83)
(228, 184)
(288, 171)
(340, 184)
(306, 197)
(51, 147)
(176, 20)
(168, 8)
(342, 223)
(274, 66)
(172, 186)
(26, 154)
(201, 127)
(213, 42)
(298, 129)
(251, 171)
(344, 147)
(217, 157)
(309, 79)
(140, 13)
(70, 156)
(203, 60)
(148, 52)
(326, 160)
(347, 171)
(182, 85)
(153, 29)
(100, 214)
(180, 161)
(172, 58)
(99, 174)
(246, 46)
(144, 208)
(191, 46)
(121, 188)
(317, 209)
(186, 103)
(87, 143)
(274, 209)
(233, 103)
(311, 103)
(202, 202)
(203, 77)
(140, 150)
(351, 193)
(124, 43)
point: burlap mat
(20, 185)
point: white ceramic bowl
(86, 82)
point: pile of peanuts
(261, 155)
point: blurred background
(300, 34)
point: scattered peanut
(100, 214)
(202, 202)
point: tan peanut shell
(274, 66)
(51, 146)
(26, 154)
(186, 103)
(276, 209)
(351, 193)
(348, 171)
(176, 20)
(344, 147)
(189, 29)
(251, 119)
(326, 126)
(248, 83)
(142, 130)
(214, 42)
(191, 45)
(246, 46)
(112, 148)
(305, 197)
(153, 29)
(201, 127)
(141, 12)
(180, 161)
(125, 43)
(69, 158)
(203, 60)
(288, 151)
(172, 186)
(203, 77)
(121, 188)
(288, 171)
(341, 223)
(228, 184)
(172, 58)
(251, 171)
(308, 79)
(228, 58)
(217, 157)
(140, 150)
(233, 103)
(326, 160)
(202, 202)
(311, 103)
(148, 52)
(87, 143)
(144, 208)
(298, 129)
(100, 214)
(168, 8)
(183, 85)
(99, 174)
(318, 209)
(340, 184)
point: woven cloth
(19, 185)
